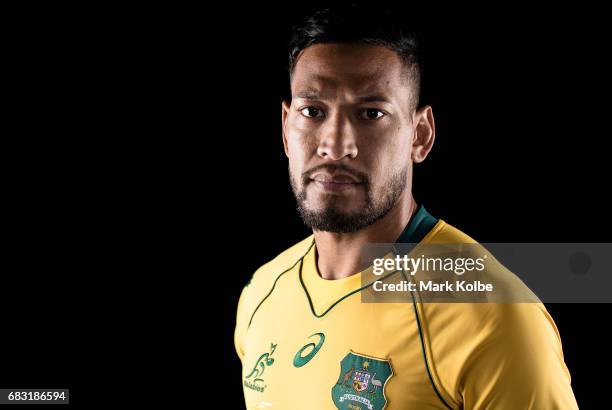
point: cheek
(388, 158)
(398, 147)
(300, 141)
(296, 154)
(379, 145)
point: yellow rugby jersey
(310, 343)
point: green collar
(420, 224)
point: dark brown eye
(311, 112)
(372, 114)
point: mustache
(331, 168)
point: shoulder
(443, 232)
(268, 273)
(508, 287)
(509, 310)
(262, 283)
(264, 278)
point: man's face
(348, 133)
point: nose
(337, 138)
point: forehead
(356, 68)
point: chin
(340, 207)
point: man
(352, 132)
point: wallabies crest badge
(361, 383)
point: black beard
(331, 219)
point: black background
(145, 179)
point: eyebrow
(373, 98)
(308, 95)
(314, 95)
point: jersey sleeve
(500, 356)
(241, 324)
(521, 364)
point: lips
(334, 179)
(335, 183)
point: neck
(338, 253)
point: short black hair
(358, 24)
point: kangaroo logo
(253, 380)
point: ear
(424, 134)
(286, 106)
